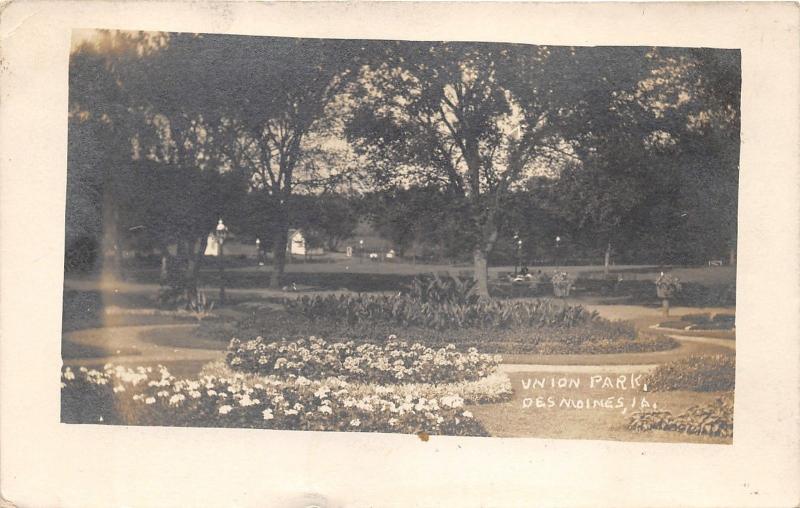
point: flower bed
(392, 362)
(715, 419)
(645, 344)
(146, 396)
(702, 373)
(702, 322)
(492, 388)
(408, 310)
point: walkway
(146, 344)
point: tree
(275, 95)
(655, 146)
(101, 130)
(476, 119)
(331, 218)
(180, 147)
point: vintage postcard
(417, 239)
(458, 238)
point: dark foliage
(715, 419)
(405, 310)
(705, 373)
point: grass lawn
(386, 275)
(513, 419)
(685, 349)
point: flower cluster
(147, 396)
(563, 279)
(667, 285)
(490, 389)
(563, 282)
(391, 363)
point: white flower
(355, 422)
(325, 409)
(150, 400)
(467, 414)
(452, 401)
(211, 393)
(223, 410)
(176, 399)
(267, 413)
(69, 375)
(392, 421)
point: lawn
(514, 419)
(382, 276)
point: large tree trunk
(194, 262)
(607, 259)
(279, 259)
(480, 257)
(481, 267)
(279, 250)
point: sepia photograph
(384, 254)
(417, 237)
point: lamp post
(517, 263)
(220, 233)
(558, 252)
(259, 253)
(361, 251)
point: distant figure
(524, 270)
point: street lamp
(519, 245)
(220, 233)
(558, 251)
(361, 251)
(259, 254)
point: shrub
(439, 291)
(200, 306)
(607, 346)
(705, 322)
(562, 282)
(667, 285)
(703, 373)
(405, 310)
(393, 362)
(147, 397)
(715, 419)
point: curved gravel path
(167, 343)
(605, 366)
(129, 344)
